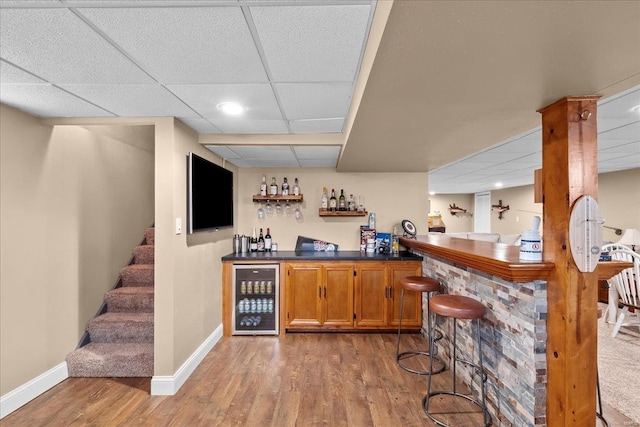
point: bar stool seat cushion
(457, 306)
(420, 284)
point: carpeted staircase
(121, 338)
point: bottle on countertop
(267, 241)
(324, 202)
(263, 186)
(342, 201)
(285, 187)
(254, 241)
(273, 188)
(352, 203)
(333, 202)
(296, 188)
(395, 242)
(372, 220)
(261, 242)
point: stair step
(150, 236)
(143, 254)
(121, 328)
(111, 360)
(137, 275)
(130, 299)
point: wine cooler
(255, 294)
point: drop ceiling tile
(48, 101)
(312, 43)
(248, 126)
(319, 163)
(317, 126)
(199, 125)
(11, 74)
(240, 163)
(189, 45)
(38, 40)
(224, 152)
(263, 151)
(273, 163)
(319, 152)
(258, 99)
(133, 100)
(315, 100)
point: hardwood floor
(296, 380)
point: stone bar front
(514, 330)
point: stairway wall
(72, 206)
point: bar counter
(514, 330)
(496, 259)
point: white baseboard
(32, 389)
(169, 385)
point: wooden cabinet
(377, 296)
(350, 295)
(319, 295)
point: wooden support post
(569, 170)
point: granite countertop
(320, 256)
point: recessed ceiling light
(231, 108)
(498, 185)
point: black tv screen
(209, 195)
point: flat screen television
(209, 195)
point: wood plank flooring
(328, 379)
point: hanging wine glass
(288, 209)
(278, 207)
(268, 209)
(297, 213)
(261, 213)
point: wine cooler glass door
(256, 291)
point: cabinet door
(371, 292)
(304, 287)
(337, 295)
(412, 316)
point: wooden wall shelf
(341, 213)
(259, 198)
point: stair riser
(132, 276)
(143, 255)
(120, 332)
(150, 236)
(129, 304)
(111, 361)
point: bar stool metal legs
(478, 368)
(418, 282)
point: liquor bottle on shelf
(273, 188)
(324, 202)
(263, 186)
(342, 201)
(285, 187)
(267, 241)
(333, 202)
(261, 242)
(296, 188)
(254, 241)
(352, 203)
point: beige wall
(74, 203)
(188, 285)
(618, 198)
(454, 223)
(392, 196)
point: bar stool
(458, 307)
(418, 284)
